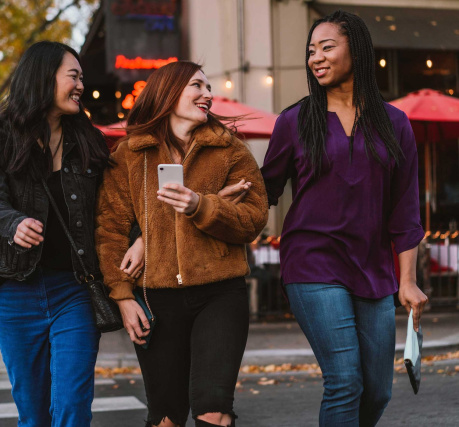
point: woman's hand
(235, 193)
(182, 199)
(134, 259)
(134, 320)
(28, 233)
(411, 297)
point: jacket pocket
(219, 248)
(87, 181)
(84, 173)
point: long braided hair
(370, 113)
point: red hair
(151, 111)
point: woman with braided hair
(353, 164)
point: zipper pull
(179, 278)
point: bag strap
(145, 236)
(88, 277)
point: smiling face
(329, 56)
(194, 103)
(69, 87)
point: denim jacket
(21, 197)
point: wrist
(407, 283)
(194, 208)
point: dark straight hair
(370, 114)
(151, 111)
(23, 116)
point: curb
(279, 356)
(271, 356)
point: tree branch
(33, 36)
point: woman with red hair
(195, 255)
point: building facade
(254, 51)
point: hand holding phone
(169, 174)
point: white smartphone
(169, 174)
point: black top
(57, 252)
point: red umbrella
(257, 123)
(440, 113)
(434, 117)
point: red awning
(433, 116)
(256, 124)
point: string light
(228, 83)
(382, 63)
(269, 79)
(121, 115)
(429, 63)
(96, 94)
(117, 94)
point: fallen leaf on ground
(267, 382)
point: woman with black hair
(353, 164)
(48, 338)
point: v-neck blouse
(340, 226)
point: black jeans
(196, 349)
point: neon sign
(158, 16)
(128, 102)
(160, 23)
(144, 7)
(140, 63)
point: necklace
(59, 143)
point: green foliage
(24, 22)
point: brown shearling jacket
(183, 250)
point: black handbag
(106, 312)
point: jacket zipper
(179, 276)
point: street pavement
(290, 398)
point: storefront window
(446, 181)
(422, 69)
(382, 66)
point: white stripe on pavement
(8, 410)
(100, 404)
(6, 385)
(122, 403)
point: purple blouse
(339, 227)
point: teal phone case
(138, 294)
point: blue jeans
(49, 344)
(353, 340)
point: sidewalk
(277, 343)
